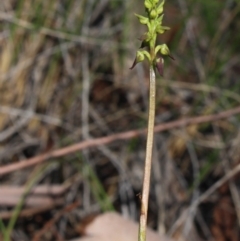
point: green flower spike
(153, 21)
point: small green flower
(141, 54)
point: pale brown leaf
(113, 227)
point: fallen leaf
(112, 226)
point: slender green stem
(3, 229)
(30, 183)
(148, 159)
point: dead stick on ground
(108, 139)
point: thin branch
(120, 136)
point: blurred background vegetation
(65, 78)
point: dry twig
(120, 136)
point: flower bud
(164, 50)
(153, 14)
(147, 4)
(160, 65)
(160, 8)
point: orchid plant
(154, 54)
